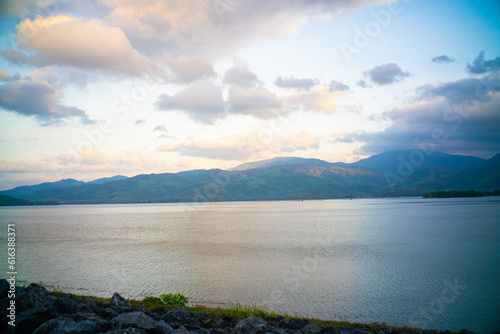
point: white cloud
(64, 40)
(247, 146)
(187, 70)
(202, 101)
(258, 102)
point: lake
(430, 263)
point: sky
(96, 88)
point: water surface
(431, 263)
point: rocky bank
(40, 312)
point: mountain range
(389, 174)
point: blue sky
(90, 89)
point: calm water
(427, 263)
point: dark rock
(29, 320)
(221, 323)
(293, 324)
(311, 328)
(181, 316)
(120, 303)
(134, 319)
(64, 325)
(34, 296)
(66, 305)
(80, 316)
(466, 331)
(163, 327)
(330, 330)
(360, 331)
(160, 310)
(129, 330)
(254, 325)
(4, 288)
(388, 330)
(109, 313)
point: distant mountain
(26, 191)
(392, 161)
(280, 161)
(108, 179)
(282, 179)
(11, 201)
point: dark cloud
(443, 59)
(451, 117)
(480, 65)
(386, 74)
(39, 99)
(202, 101)
(337, 86)
(297, 84)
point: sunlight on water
(427, 263)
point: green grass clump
(174, 299)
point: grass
(241, 311)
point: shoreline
(42, 311)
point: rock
(330, 330)
(253, 325)
(160, 310)
(163, 327)
(66, 305)
(466, 331)
(4, 288)
(134, 319)
(221, 323)
(293, 324)
(65, 325)
(181, 316)
(34, 296)
(312, 328)
(109, 313)
(129, 330)
(120, 303)
(29, 320)
(360, 331)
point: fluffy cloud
(214, 28)
(480, 65)
(337, 86)
(443, 59)
(455, 117)
(36, 95)
(202, 101)
(240, 75)
(161, 128)
(64, 40)
(386, 74)
(321, 99)
(246, 146)
(258, 102)
(5, 77)
(187, 70)
(294, 83)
